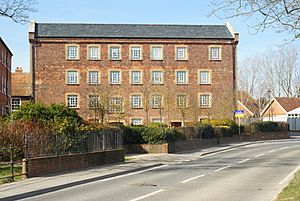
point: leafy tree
(279, 15)
(17, 10)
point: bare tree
(279, 15)
(100, 101)
(17, 10)
(148, 91)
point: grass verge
(292, 191)
(5, 171)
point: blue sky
(131, 11)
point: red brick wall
(51, 66)
(53, 164)
(5, 75)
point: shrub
(206, 131)
(266, 126)
(218, 122)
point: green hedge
(266, 126)
(150, 135)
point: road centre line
(148, 195)
(132, 173)
(244, 161)
(190, 179)
(272, 151)
(259, 155)
(217, 170)
(282, 148)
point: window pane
(157, 77)
(136, 121)
(93, 101)
(72, 77)
(136, 77)
(136, 53)
(204, 77)
(181, 77)
(156, 53)
(15, 104)
(72, 52)
(181, 53)
(114, 53)
(156, 101)
(136, 101)
(93, 53)
(205, 100)
(215, 53)
(115, 77)
(181, 101)
(116, 105)
(72, 101)
(93, 77)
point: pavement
(133, 163)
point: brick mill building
(136, 73)
(5, 78)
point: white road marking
(132, 173)
(219, 152)
(259, 155)
(217, 170)
(272, 151)
(282, 148)
(243, 161)
(148, 195)
(290, 175)
(190, 179)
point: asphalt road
(252, 173)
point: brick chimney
(19, 69)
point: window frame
(136, 118)
(162, 77)
(131, 53)
(88, 53)
(162, 52)
(199, 77)
(210, 100)
(186, 53)
(67, 100)
(186, 78)
(120, 52)
(120, 77)
(12, 104)
(67, 76)
(140, 106)
(186, 101)
(77, 51)
(114, 110)
(156, 106)
(210, 52)
(131, 77)
(89, 78)
(97, 101)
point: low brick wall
(53, 164)
(201, 143)
(146, 148)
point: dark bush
(150, 135)
(206, 131)
(266, 126)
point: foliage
(266, 126)
(18, 11)
(150, 135)
(292, 191)
(279, 15)
(218, 122)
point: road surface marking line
(132, 173)
(290, 175)
(243, 161)
(223, 168)
(219, 152)
(190, 179)
(259, 155)
(148, 195)
(272, 151)
(282, 148)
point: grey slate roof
(132, 31)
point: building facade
(5, 79)
(21, 88)
(136, 74)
